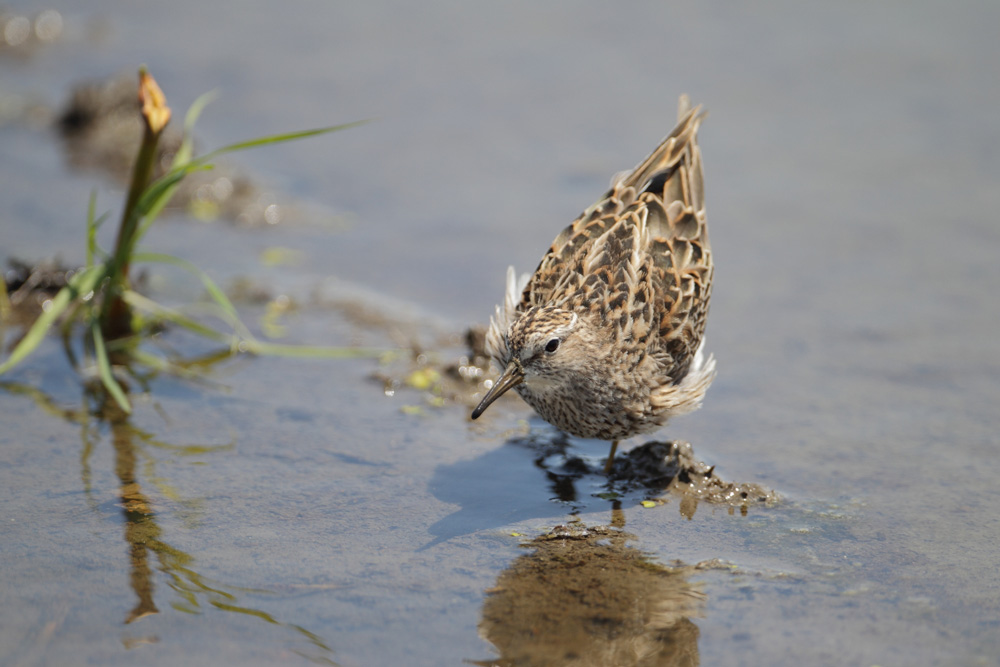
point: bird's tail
(668, 154)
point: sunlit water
(291, 511)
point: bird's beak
(512, 376)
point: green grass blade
(66, 330)
(137, 300)
(154, 199)
(158, 194)
(165, 366)
(194, 111)
(232, 317)
(277, 139)
(307, 351)
(91, 228)
(213, 289)
(248, 342)
(80, 284)
(93, 224)
(104, 369)
(184, 153)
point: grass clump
(99, 298)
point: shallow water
(292, 511)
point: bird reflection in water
(582, 597)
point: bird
(605, 339)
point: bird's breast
(594, 409)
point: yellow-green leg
(611, 458)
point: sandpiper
(605, 339)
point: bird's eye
(552, 345)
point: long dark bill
(512, 376)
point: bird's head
(546, 348)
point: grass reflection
(147, 547)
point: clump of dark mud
(584, 597)
(653, 473)
(443, 379)
(28, 288)
(101, 127)
(472, 367)
(29, 285)
(672, 466)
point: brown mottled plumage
(604, 340)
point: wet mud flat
(174, 479)
(574, 593)
(834, 505)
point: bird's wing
(640, 256)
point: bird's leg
(611, 457)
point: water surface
(292, 511)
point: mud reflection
(148, 550)
(584, 597)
